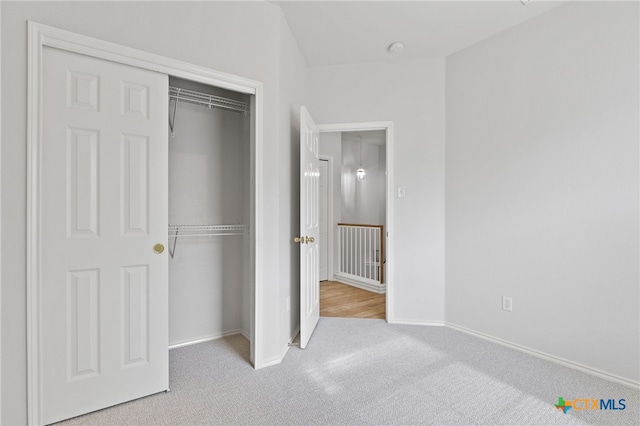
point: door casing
(39, 36)
(330, 233)
(387, 126)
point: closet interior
(209, 212)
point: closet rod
(205, 99)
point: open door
(309, 238)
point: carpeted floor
(365, 372)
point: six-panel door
(103, 302)
(309, 226)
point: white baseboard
(271, 362)
(374, 288)
(565, 362)
(295, 333)
(278, 359)
(206, 339)
(415, 322)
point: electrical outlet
(507, 304)
(288, 303)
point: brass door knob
(158, 248)
(309, 240)
(298, 240)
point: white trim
(539, 354)
(278, 359)
(355, 127)
(34, 46)
(389, 226)
(245, 335)
(294, 334)
(364, 284)
(89, 46)
(428, 323)
(257, 290)
(42, 35)
(206, 339)
(330, 223)
(0, 224)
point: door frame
(330, 232)
(387, 126)
(40, 36)
(0, 224)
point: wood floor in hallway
(345, 301)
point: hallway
(345, 301)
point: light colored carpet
(365, 372)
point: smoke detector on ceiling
(396, 47)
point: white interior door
(324, 225)
(309, 227)
(103, 302)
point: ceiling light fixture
(396, 47)
(360, 172)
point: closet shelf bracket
(172, 118)
(192, 231)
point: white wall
(542, 185)
(207, 177)
(331, 146)
(215, 35)
(363, 202)
(411, 94)
(293, 90)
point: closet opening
(99, 326)
(209, 200)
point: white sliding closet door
(103, 300)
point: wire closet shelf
(192, 231)
(208, 100)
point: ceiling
(340, 32)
